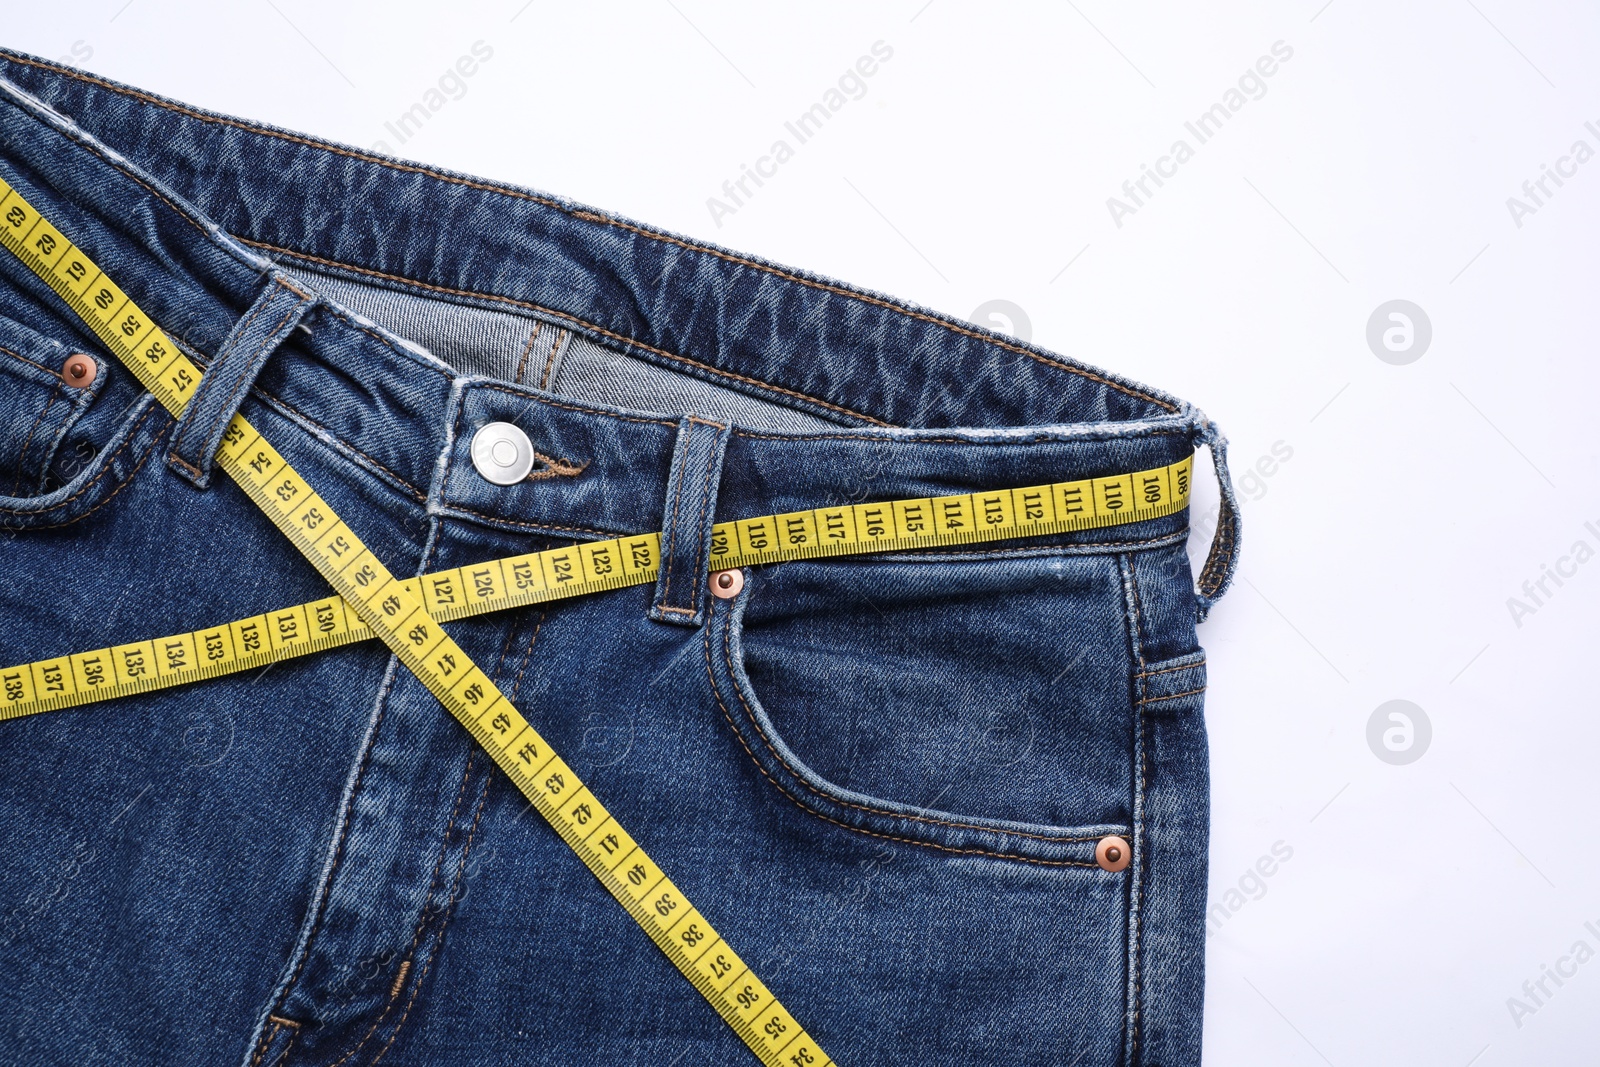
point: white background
(1378, 558)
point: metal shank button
(79, 371)
(1112, 854)
(502, 453)
(725, 585)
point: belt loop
(257, 334)
(686, 527)
(1223, 558)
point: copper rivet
(726, 584)
(1112, 854)
(80, 370)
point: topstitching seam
(955, 824)
(569, 317)
(669, 556)
(598, 218)
(27, 442)
(716, 693)
(522, 364)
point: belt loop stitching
(244, 369)
(688, 438)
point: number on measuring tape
(406, 615)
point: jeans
(883, 777)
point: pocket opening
(785, 769)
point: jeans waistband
(190, 210)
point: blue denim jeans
(882, 777)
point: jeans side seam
(1139, 737)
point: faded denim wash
(882, 777)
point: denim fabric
(881, 777)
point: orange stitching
(173, 457)
(555, 468)
(132, 433)
(344, 826)
(177, 441)
(738, 692)
(461, 413)
(399, 982)
(705, 497)
(1138, 614)
(1174, 696)
(975, 335)
(527, 657)
(717, 693)
(550, 360)
(587, 216)
(1168, 670)
(125, 483)
(31, 363)
(27, 442)
(1064, 549)
(461, 870)
(266, 1042)
(349, 810)
(1223, 538)
(120, 167)
(701, 533)
(667, 556)
(537, 399)
(1043, 437)
(1211, 578)
(281, 1021)
(1138, 930)
(1136, 920)
(522, 364)
(338, 441)
(505, 647)
(553, 313)
(422, 917)
(240, 384)
(293, 288)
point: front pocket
(38, 405)
(66, 449)
(975, 704)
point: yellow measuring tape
(405, 615)
(559, 573)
